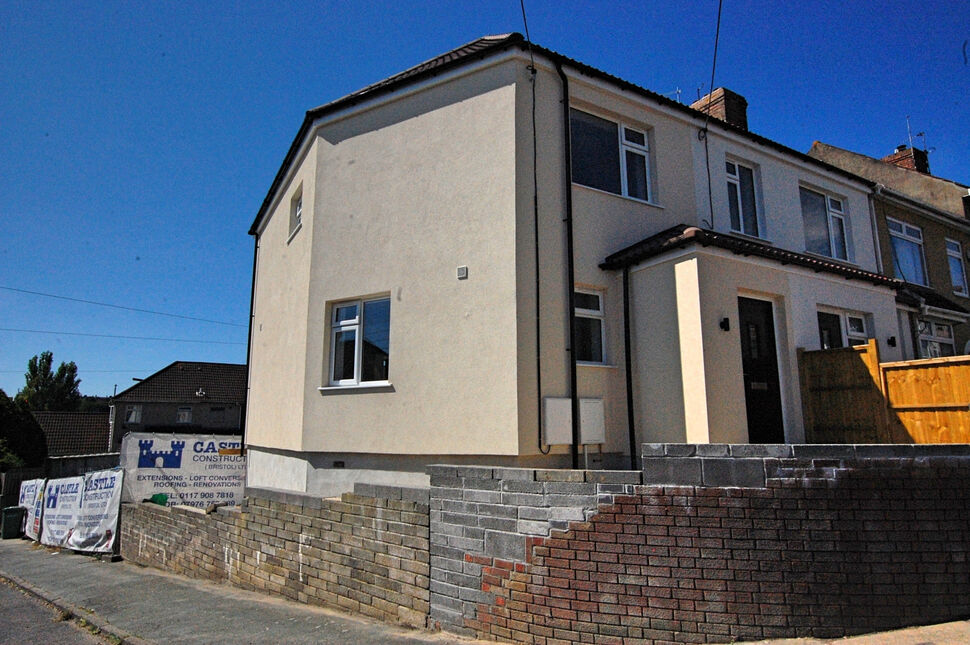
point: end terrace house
(505, 256)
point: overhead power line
(106, 304)
(78, 333)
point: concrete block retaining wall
(708, 543)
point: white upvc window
(909, 263)
(184, 415)
(610, 156)
(359, 341)
(958, 271)
(742, 198)
(133, 414)
(935, 339)
(855, 329)
(589, 343)
(296, 211)
(842, 328)
(826, 227)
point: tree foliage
(48, 390)
(21, 438)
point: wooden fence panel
(849, 397)
(929, 400)
(842, 396)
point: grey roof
(487, 46)
(186, 381)
(74, 433)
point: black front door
(759, 360)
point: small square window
(133, 414)
(184, 415)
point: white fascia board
(764, 263)
(372, 103)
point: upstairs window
(825, 228)
(609, 156)
(958, 273)
(907, 251)
(296, 211)
(133, 414)
(184, 415)
(588, 344)
(360, 341)
(741, 199)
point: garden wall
(708, 543)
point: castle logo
(148, 458)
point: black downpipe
(570, 269)
(628, 358)
(249, 345)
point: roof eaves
(682, 235)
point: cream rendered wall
(796, 294)
(659, 399)
(274, 411)
(602, 224)
(407, 192)
(778, 178)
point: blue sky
(138, 139)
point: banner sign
(97, 518)
(62, 501)
(32, 498)
(192, 470)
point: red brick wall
(828, 548)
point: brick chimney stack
(725, 105)
(911, 158)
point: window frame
(918, 239)
(734, 188)
(623, 146)
(592, 314)
(849, 336)
(133, 410)
(355, 324)
(927, 333)
(187, 419)
(962, 289)
(296, 213)
(833, 214)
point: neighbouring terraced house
(505, 256)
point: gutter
(570, 268)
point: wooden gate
(848, 396)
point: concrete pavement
(141, 606)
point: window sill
(294, 232)
(961, 294)
(370, 385)
(618, 195)
(601, 365)
(753, 238)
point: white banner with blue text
(191, 470)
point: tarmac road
(25, 620)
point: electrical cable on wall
(702, 135)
